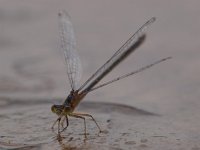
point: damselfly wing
(68, 45)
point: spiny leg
(59, 125)
(55, 123)
(62, 122)
(77, 116)
(88, 115)
(67, 123)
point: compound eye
(53, 108)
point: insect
(68, 45)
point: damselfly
(68, 45)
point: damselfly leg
(58, 120)
(67, 123)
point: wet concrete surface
(157, 109)
(27, 125)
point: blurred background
(33, 66)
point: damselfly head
(57, 109)
(61, 109)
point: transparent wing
(131, 44)
(68, 45)
(130, 74)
